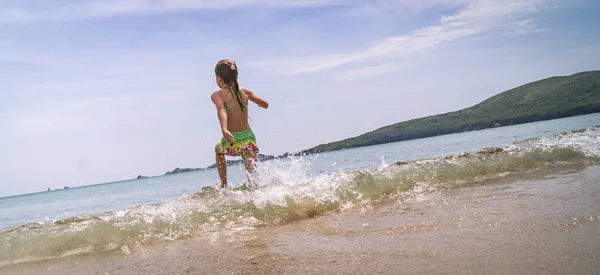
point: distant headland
(550, 98)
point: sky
(95, 91)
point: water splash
(286, 191)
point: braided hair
(227, 70)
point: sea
(349, 205)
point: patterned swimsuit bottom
(244, 142)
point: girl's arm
(254, 98)
(222, 115)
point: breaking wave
(286, 193)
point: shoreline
(271, 157)
(307, 152)
(529, 226)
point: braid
(228, 71)
(234, 87)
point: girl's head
(227, 73)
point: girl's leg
(221, 166)
(250, 161)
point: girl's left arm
(254, 98)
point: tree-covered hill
(550, 98)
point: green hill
(550, 98)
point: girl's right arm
(254, 98)
(222, 115)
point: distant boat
(66, 187)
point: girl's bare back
(237, 120)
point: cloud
(392, 47)
(474, 17)
(523, 27)
(381, 69)
(399, 7)
(108, 8)
(368, 71)
(492, 9)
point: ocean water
(128, 214)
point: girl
(231, 102)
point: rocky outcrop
(182, 170)
(261, 157)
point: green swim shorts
(244, 142)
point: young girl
(231, 102)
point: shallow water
(543, 226)
(139, 217)
(47, 207)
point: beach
(299, 137)
(547, 225)
(514, 200)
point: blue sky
(99, 91)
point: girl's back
(237, 118)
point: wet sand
(547, 226)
